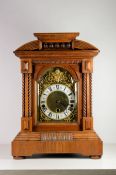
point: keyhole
(57, 110)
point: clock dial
(57, 101)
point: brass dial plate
(59, 87)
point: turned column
(87, 68)
(26, 70)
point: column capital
(87, 66)
(26, 66)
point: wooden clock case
(76, 56)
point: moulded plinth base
(85, 143)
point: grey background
(96, 22)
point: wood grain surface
(62, 50)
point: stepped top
(63, 43)
(56, 37)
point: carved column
(87, 94)
(91, 94)
(29, 94)
(26, 70)
(84, 89)
(23, 94)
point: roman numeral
(64, 88)
(57, 116)
(42, 101)
(44, 109)
(70, 94)
(72, 101)
(57, 86)
(50, 89)
(44, 94)
(65, 113)
(50, 114)
(70, 108)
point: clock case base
(85, 143)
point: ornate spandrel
(54, 76)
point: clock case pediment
(64, 51)
(56, 42)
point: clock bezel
(68, 97)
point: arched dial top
(57, 101)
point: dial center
(57, 101)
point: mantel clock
(56, 97)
